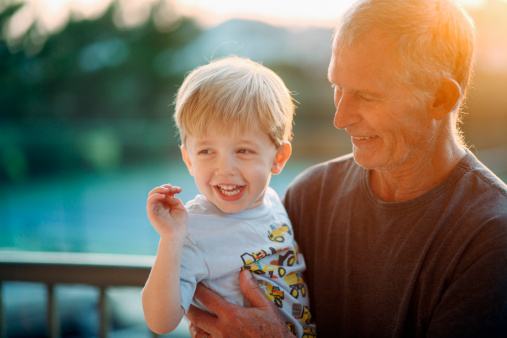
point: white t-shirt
(218, 245)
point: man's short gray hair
(435, 38)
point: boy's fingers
(155, 197)
(174, 203)
(170, 204)
(171, 187)
(251, 290)
(157, 190)
(166, 188)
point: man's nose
(346, 113)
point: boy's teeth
(230, 192)
(228, 189)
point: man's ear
(186, 158)
(282, 156)
(446, 99)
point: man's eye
(366, 98)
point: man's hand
(261, 319)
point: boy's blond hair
(234, 93)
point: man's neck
(418, 176)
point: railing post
(103, 313)
(99, 270)
(52, 312)
(3, 329)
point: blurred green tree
(93, 95)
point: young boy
(235, 122)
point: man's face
(388, 130)
(232, 169)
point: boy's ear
(282, 156)
(446, 98)
(186, 159)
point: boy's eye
(245, 151)
(204, 152)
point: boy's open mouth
(230, 190)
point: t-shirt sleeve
(475, 301)
(192, 271)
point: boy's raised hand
(166, 212)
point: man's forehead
(371, 55)
(375, 39)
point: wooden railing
(99, 270)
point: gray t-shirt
(435, 266)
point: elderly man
(406, 237)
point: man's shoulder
(325, 174)
(482, 185)
(323, 170)
(478, 174)
(483, 194)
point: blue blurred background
(86, 92)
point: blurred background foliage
(93, 96)
(96, 94)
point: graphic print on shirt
(281, 279)
(296, 284)
(276, 234)
(252, 262)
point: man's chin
(365, 160)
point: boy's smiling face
(233, 168)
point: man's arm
(261, 319)
(474, 303)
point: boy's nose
(225, 165)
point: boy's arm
(161, 293)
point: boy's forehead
(240, 133)
(232, 128)
(235, 133)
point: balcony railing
(99, 270)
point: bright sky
(279, 12)
(52, 15)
